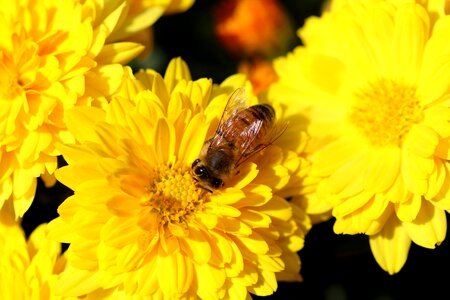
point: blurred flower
(53, 56)
(371, 87)
(253, 27)
(28, 269)
(260, 73)
(139, 225)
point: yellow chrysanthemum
(53, 55)
(372, 82)
(139, 225)
(28, 269)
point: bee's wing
(236, 103)
(275, 132)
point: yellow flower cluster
(55, 55)
(191, 189)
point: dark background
(334, 267)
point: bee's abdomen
(263, 112)
(247, 120)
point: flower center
(385, 112)
(174, 196)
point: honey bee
(242, 132)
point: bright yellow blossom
(139, 225)
(372, 84)
(28, 269)
(53, 56)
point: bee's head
(202, 175)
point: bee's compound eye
(195, 163)
(216, 183)
(201, 172)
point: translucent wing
(236, 103)
(275, 132)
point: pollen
(174, 196)
(385, 111)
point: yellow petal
(210, 280)
(277, 208)
(128, 257)
(58, 230)
(237, 291)
(165, 141)
(375, 207)
(177, 276)
(413, 174)
(421, 140)
(104, 80)
(348, 185)
(398, 192)
(222, 210)
(221, 249)
(332, 157)
(138, 22)
(429, 228)
(178, 6)
(352, 204)
(230, 197)
(408, 210)
(266, 285)
(390, 246)
(233, 226)
(254, 243)
(24, 191)
(383, 169)
(410, 34)
(176, 70)
(80, 122)
(437, 117)
(437, 180)
(69, 175)
(193, 139)
(379, 30)
(155, 83)
(358, 223)
(74, 282)
(196, 246)
(433, 82)
(247, 173)
(119, 53)
(116, 11)
(147, 278)
(255, 218)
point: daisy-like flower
(140, 225)
(53, 56)
(372, 82)
(28, 268)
